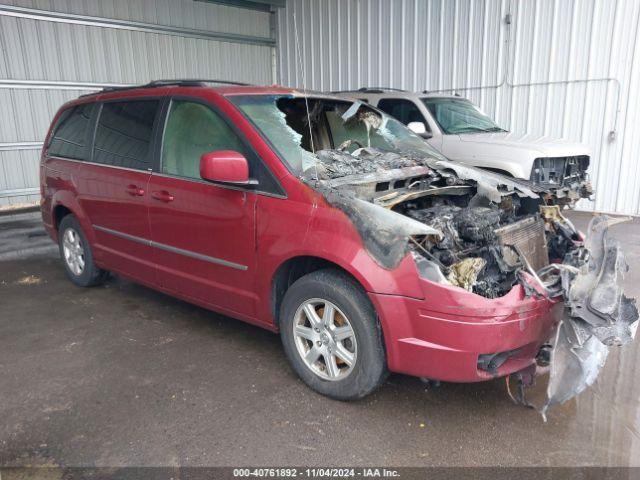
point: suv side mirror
(419, 128)
(225, 166)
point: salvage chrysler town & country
(322, 219)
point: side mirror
(419, 128)
(225, 166)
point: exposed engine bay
(483, 229)
(463, 226)
(472, 230)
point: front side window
(69, 139)
(191, 130)
(458, 115)
(123, 134)
(404, 110)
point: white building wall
(52, 51)
(467, 45)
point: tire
(76, 254)
(331, 293)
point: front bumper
(443, 336)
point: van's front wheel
(331, 335)
(76, 254)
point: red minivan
(309, 215)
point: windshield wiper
(483, 130)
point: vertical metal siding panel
(381, 71)
(559, 68)
(8, 130)
(491, 73)
(281, 39)
(521, 72)
(354, 31)
(618, 166)
(629, 198)
(594, 126)
(494, 57)
(543, 29)
(505, 95)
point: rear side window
(404, 110)
(191, 130)
(123, 134)
(70, 135)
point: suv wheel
(76, 254)
(331, 335)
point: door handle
(135, 190)
(163, 196)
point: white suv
(459, 130)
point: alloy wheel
(325, 339)
(73, 251)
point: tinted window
(191, 130)
(404, 110)
(123, 135)
(69, 138)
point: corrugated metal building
(580, 54)
(53, 51)
(582, 57)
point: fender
(326, 233)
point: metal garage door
(50, 56)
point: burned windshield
(298, 128)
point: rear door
(203, 234)
(114, 189)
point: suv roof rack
(380, 89)
(180, 82)
(372, 90)
(455, 94)
(194, 82)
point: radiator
(529, 236)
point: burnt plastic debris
(598, 316)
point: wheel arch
(294, 268)
(59, 212)
(65, 203)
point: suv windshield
(335, 124)
(458, 115)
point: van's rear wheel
(76, 254)
(331, 335)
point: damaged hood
(341, 168)
(347, 181)
(492, 186)
(539, 145)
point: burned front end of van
(519, 262)
(504, 280)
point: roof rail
(191, 81)
(184, 82)
(455, 94)
(371, 90)
(380, 89)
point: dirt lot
(122, 375)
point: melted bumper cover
(597, 316)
